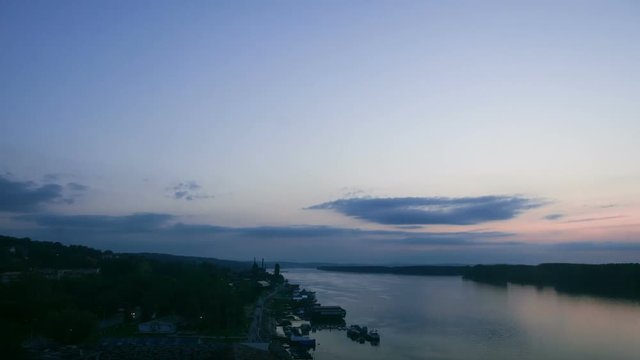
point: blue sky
(352, 131)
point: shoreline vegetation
(621, 281)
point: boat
(361, 334)
(373, 336)
(302, 341)
(328, 312)
(354, 331)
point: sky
(383, 132)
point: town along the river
(298, 315)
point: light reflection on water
(424, 317)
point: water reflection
(449, 318)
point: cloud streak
(27, 196)
(140, 222)
(74, 186)
(599, 245)
(553, 217)
(459, 238)
(431, 210)
(167, 225)
(593, 219)
(188, 191)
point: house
(76, 273)
(328, 312)
(57, 274)
(8, 277)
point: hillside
(64, 292)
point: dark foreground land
(607, 280)
(71, 298)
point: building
(57, 274)
(76, 273)
(328, 312)
(157, 327)
(8, 277)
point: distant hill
(20, 254)
(606, 280)
(27, 253)
(230, 264)
(47, 288)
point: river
(430, 317)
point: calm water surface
(426, 317)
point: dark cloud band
(553, 216)
(141, 222)
(27, 196)
(188, 191)
(431, 210)
(167, 225)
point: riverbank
(294, 314)
(605, 280)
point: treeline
(229, 264)
(609, 280)
(67, 309)
(434, 270)
(25, 254)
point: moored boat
(373, 336)
(362, 333)
(354, 331)
(328, 312)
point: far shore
(606, 280)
